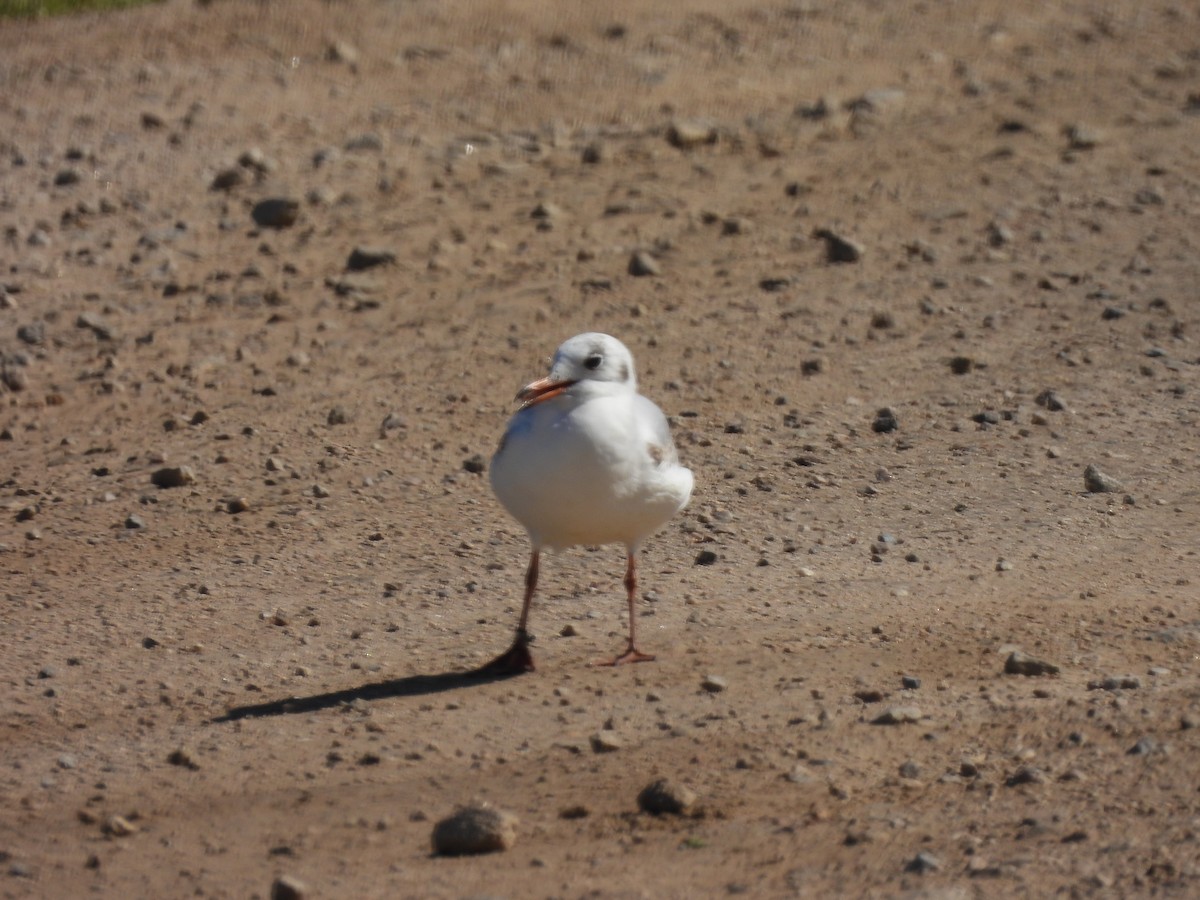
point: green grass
(29, 8)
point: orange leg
(632, 654)
(517, 658)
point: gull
(586, 460)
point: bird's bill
(541, 390)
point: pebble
(642, 264)
(134, 521)
(96, 325)
(34, 333)
(475, 829)
(714, 684)
(923, 862)
(475, 464)
(898, 715)
(1026, 775)
(1115, 683)
(368, 258)
(1098, 482)
(276, 212)
(910, 682)
(1143, 747)
(686, 135)
(606, 741)
(1019, 663)
(665, 796)
(119, 826)
(706, 558)
(885, 421)
(1051, 401)
(173, 476)
(288, 887)
(238, 505)
(182, 758)
(839, 248)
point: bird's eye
(593, 361)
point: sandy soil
(258, 672)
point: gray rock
(923, 862)
(686, 135)
(276, 212)
(642, 264)
(714, 684)
(288, 887)
(33, 333)
(1098, 482)
(173, 476)
(96, 325)
(1019, 663)
(839, 248)
(475, 829)
(898, 715)
(666, 797)
(368, 257)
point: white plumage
(587, 460)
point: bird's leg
(632, 654)
(517, 658)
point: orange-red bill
(541, 390)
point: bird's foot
(632, 655)
(513, 661)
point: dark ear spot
(623, 372)
(656, 453)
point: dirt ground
(979, 216)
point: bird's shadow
(409, 686)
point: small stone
(227, 179)
(1019, 663)
(368, 258)
(96, 325)
(34, 333)
(134, 521)
(910, 682)
(475, 829)
(238, 505)
(1143, 747)
(838, 248)
(885, 421)
(1097, 482)
(706, 558)
(337, 416)
(276, 212)
(288, 887)
(1003, 565)
(961, 365)
(898, 715)
(182, 758)
(476, 464)
(665, 796)
(686, 135)
(173, 477)
(342, 52)
(1051, 401)
(606, 741)
(910, 770)
(642, 264)
(119, 826)
(714, 684)
(1026, 775)
(1082, 137)
(922, 863)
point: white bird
(586, 460)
